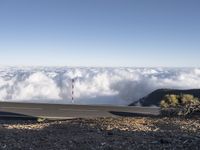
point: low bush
(181, 105)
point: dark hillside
(155, 97)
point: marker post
(73, 90)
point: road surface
(63, 111)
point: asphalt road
(60, 111)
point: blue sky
(100, 32)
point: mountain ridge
(155, 97)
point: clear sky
(100, 32)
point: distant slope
(155, 97)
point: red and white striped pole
(73, 90)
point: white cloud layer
(117, 86)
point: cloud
(118, 86)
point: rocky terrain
(101, 133)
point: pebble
(102, 133)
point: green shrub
(181, 105)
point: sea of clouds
(115, 86)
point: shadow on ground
(128, 114)
(15, 116)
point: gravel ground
(101, 133)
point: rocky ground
(101, 133)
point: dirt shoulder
(101, 133)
